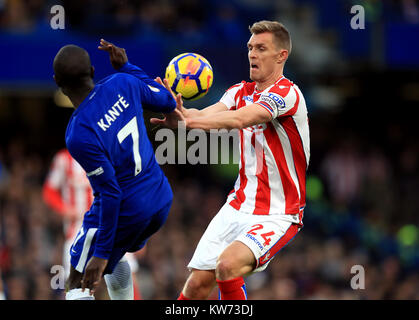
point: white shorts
(265, 235)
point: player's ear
(92, 71)
(282, 56)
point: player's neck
(265, 83)
(77, 97)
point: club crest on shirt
(248, 98)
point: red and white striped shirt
(274, 156)
(67, 187)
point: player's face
(263, 56)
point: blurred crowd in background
(363, 179)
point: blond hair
(281, 35)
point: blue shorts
(128, 238)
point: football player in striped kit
(264, 211)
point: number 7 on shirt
(131, 128)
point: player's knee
(197, 287)
(226, 268)
(194, 284)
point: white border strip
(86, 247)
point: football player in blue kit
(107, 136)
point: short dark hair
(281, 35)
(72, 66)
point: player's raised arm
(118, 56)
(192, 112)
(119, 61)
(154, 95)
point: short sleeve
(229, 97)
(278, 103)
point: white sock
(77, 294)
(119, 282)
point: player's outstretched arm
(172, 119)
(242, 118)
(154, 94)
(192, 112)
(119, 61)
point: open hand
(172, 119)
(117, 55)
(179, 103)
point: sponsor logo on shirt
(153, 88)
(248, 98)
(96, 172)
(254, 240)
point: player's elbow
(115, 193)
(110, 190)
(111, 199)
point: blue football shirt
(107, 136)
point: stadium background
(361, 88)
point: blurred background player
(264, 211)
(67, 192)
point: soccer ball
(190, 74)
